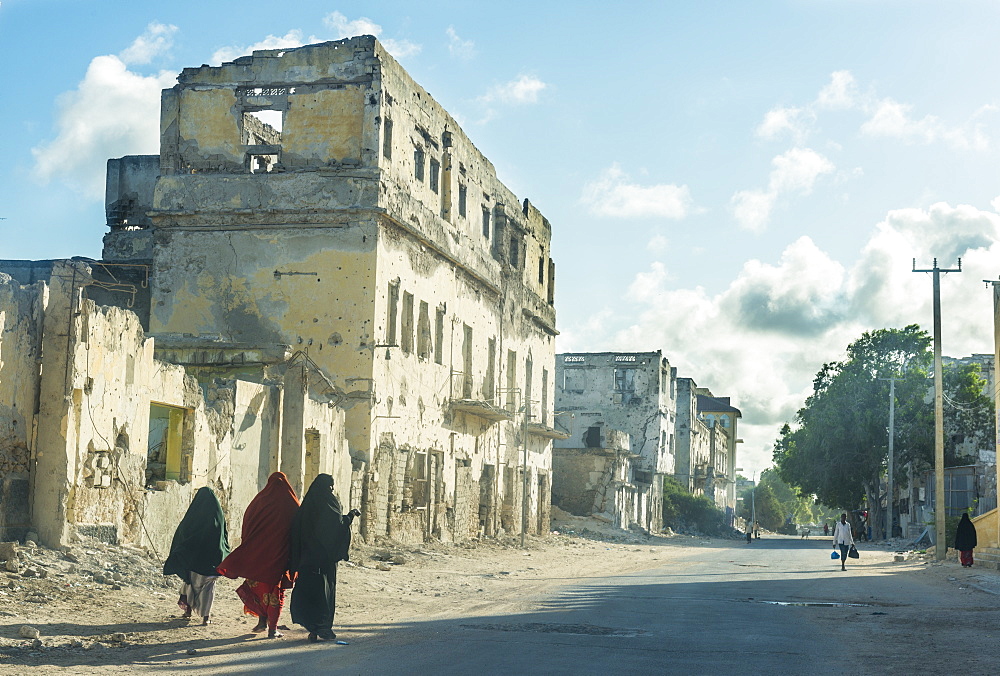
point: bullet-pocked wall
(318, 197)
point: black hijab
(200, 542)
(965, 534)
(321, 534)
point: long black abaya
(321, 536)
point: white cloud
(658, 244)
(762, 339)
(459, 48)
(157, 40)
(779, 120)
(795, 171)
(840, 93)
(112, 112)
(889, 118)
(612, 195)
(522, 90)
(290, 40)
(342, 27)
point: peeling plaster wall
(21, 315)
(305, 254)
(96, 388)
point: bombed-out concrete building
(597, 395)
(706, 444)
(334, 279)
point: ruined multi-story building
(316, 223)
(631, 392)
(706, 444)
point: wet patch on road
(557, 628)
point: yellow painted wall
(987, 529)
(324, 125)
(206, 117)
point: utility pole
(892, 435)
(996, 361)
(940, 546)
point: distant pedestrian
(749, 534)
(965, 540)
(262, 557)
(843, 538)
(200, 544)
(826, 529)
(321, 536)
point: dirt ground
(109, 607)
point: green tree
(761, 499)
(838, 448)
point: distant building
(631, 392)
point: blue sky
(742, 185)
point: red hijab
(263, 554)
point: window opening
(514, 251)
(406, 323)
(163, 455)
(486, 223)
(467, 362)
(489, 383)
(462, 199)
(418, 164)
(387, 138)
(439, 336)
(424, 332)
(435, 175)
(541, 267)
(262, 138)
(511, 378)
(392, 310)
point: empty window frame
(511, 378)
(418, 163)
(541, 267)
(439, 336)
(545, 396)
(424, 332)
(624, 380)
(387, 138)
(166, 431)
(514, 251)
(406, 324)
(391, 312)
(486, 222)
(466, 361)
(489, 382)
(435, 175)
(463, 196)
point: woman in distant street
(262, 557)
(200, 544)
(965, 540)
(321, 536)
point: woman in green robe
(200, 544)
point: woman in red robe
(262, 557)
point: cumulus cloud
(459, 48)
(613, 195)
(290, 40)
(343, 27)
(523, 89)
(113, 111)
(157, 40)
(762, 339)
(889, 118)
(780, 120)
(795, 171)
(340, 27)
(884, 117)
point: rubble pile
(32, 576)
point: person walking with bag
(843, 538)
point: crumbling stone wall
(21, 311)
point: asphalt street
(777, 606)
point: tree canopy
(838, 447)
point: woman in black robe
(965, 540)
(321, 536)
(200, 544)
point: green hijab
(200, 541)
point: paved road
(778, 606)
